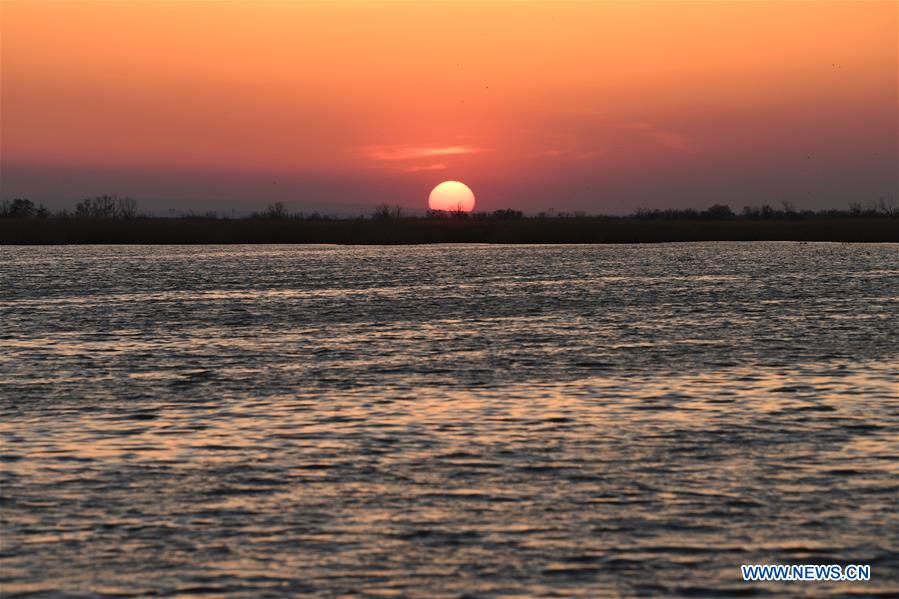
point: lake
(464, 421)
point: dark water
(447, 421)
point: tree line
(103, 206)
(125, 208)
(884, 207)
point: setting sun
(451, 196)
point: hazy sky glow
(602, 107)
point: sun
(451, 196)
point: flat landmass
(403, 231)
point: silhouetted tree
(887, 205)
(667, 214)
(18, 208)
(22, 208)
(106, 206)
(506, 214)
(459, 213)
(385, 211)
(272, 211)
(276, 210)
(126, 207)
(718, 212)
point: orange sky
(601, 107)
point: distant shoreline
(415, 231)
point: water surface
(517, 421)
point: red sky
(602, 107)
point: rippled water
(447, 420)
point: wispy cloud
(590, 154)
(425, 167)
(668, 139)
(550, 152)
(579, 131)
(407, 152)
(572, 153)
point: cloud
(407, 152)
(426, 167)
(572, 153)
(580, 130)
(668, 139)
(550, 152)
(590, 154)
